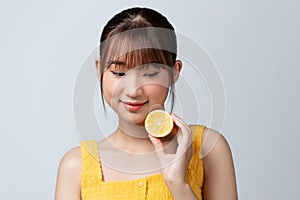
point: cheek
(160, 89)
(108, 88)
(157, 92)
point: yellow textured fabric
(151, 187)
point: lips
(134, 106)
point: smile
(134, 106)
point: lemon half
(159, 123)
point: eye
(118, 73)
(151, 74)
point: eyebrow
(122, 64)
(116, 62)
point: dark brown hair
(140, 36)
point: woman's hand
(174, 166)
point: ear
(176, 70)
(97, 63)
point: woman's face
(133, 93)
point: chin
(134, 118)
(138, 121)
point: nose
(133, 86)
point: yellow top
(151, 187)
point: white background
(255, 45)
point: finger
(184, 128)
(179, 136)
(179, 122)
(184, 136)
(158, 146)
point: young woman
(137, 69)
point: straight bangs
(135, 48)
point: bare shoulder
(214, 142)
(68, 181)
(220, 181)
(71, 160)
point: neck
(133, 131)
(132, 138)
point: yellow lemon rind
(166, 130)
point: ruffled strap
(91, 173)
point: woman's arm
(219, 174)
(175, 174)
(68, 182)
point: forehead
(139, 58)
(135, 47)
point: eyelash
(151, 74)
(119, 74)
